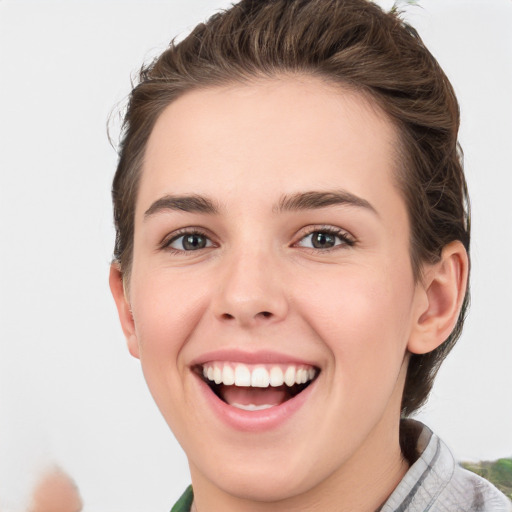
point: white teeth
(217, 375)
(260, 378)
(276, 376)
(301, 376)
(228, 375)
(257, 376)
(242, 375)
(289, 376)
(252, 407)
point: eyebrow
(190, 204)
(294, 202)
(315, 200)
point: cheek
(166, 308)
(363, 316)
(166, 311)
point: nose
(250, 291)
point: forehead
(284, 135)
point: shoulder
(469, 492)
(435, 482)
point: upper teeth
(258, 376)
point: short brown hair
(353, 43)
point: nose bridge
(250, 289)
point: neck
(363, 483)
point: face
(271, 290)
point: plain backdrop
(69, 391)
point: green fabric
(185, 502)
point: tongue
(253, 396)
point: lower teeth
(252, 407)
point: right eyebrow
(191, 204)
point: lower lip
(254, 421)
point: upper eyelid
(335, 230)
(192, 230)
(300, 234)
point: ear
(439, 299)
(123, 308)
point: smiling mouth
(256, 387)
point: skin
(354, 311)
(55, 492)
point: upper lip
(257, 357)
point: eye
(325, 239)
(190, 242)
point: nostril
(230, 317)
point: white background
(69, 391)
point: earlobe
(123, 309)
(439, 299)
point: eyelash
(166, 243)
(345, 238)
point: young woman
(291, 260)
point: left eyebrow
(314, 200)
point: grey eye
(190, 242)
(324, 240)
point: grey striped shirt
(436, 483)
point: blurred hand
(56, 492)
